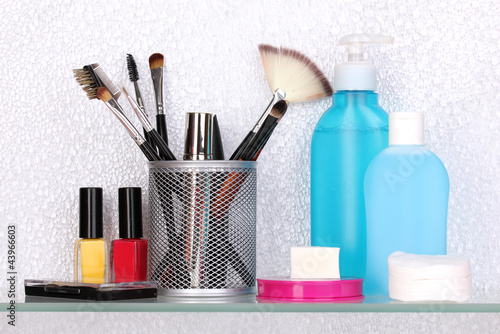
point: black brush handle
(216, 244)
(219, 243)
(149, 152)
(162, 146)
(260, 139)
(237, 154)
(172, 269)
(161, 127)
(240, 266)
(255, 156)
(147, 137)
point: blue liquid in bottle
(346, 139)
(406, 189)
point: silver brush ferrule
(118, 111)
(198, 138)
(138, 96)
(157, 76)
(141, 112)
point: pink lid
(346, 289)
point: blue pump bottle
(406, 192)
(346, 139)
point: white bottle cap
(406, 128)
(357, 74)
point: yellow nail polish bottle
(91, 251)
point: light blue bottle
(346, 139)
(406, 189)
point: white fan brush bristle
(294, 73)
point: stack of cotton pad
(415, 277)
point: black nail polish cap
(130, 212)
(91, 213)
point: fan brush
(294, 73)
(292, 77)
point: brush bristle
(133, 74)
(103, 94)
(279, 109)
(294, 73)
(155, 61)
(84, 79)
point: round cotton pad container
(289, 290)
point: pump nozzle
(355, 44)
(356, 74)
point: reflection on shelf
(481, 302)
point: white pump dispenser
(357, 74)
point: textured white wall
(444, 62)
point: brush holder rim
(207, 292)
(202, 163)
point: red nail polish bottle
(130, 252)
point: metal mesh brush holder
(202, 227)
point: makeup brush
(294, 73)
(165, 152)
(88, 80)
(291, 76)
(106, 81)
(278, 95)
(260, 139)
(105, 96)
(156, 66)
(133, 75)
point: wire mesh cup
(202, 227)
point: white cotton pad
(414, 277)
(315, 262)
(457, 290)
(415, 266)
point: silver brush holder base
(209, 293)
(202, 230)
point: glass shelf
(479, 303)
